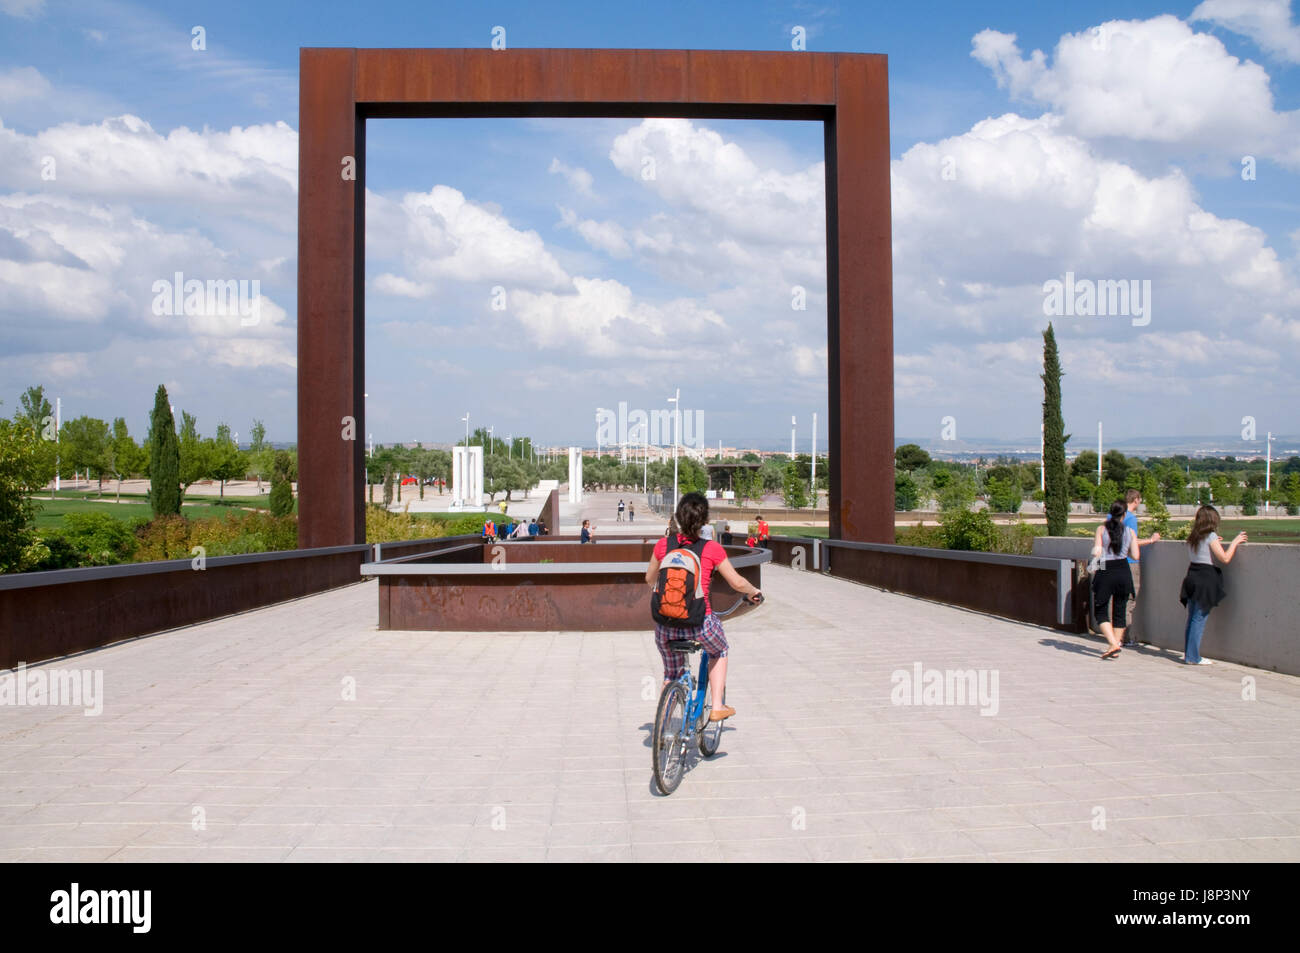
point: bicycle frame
(695, 689)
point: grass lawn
(262, 502)
(51, 512)
(1260, 530)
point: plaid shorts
(710, 635)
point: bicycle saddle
(684, 645)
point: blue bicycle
(682, 719)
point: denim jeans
(1196, 617)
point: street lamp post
(677, 424)
(466, 419)
(489, 431)
(1268, 469)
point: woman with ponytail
(1203, 584)
(1112, 581)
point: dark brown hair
(1115, 526)
(1205, 523)
(692, 514)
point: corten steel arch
(341, 88)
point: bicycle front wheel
(668, 745)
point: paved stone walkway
(232, 740)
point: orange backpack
(678, 597)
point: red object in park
(407, 481)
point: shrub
(966, 530)
(1018, 538)
(52, 550)
(99, 539)
(919, 536)
(164, 537)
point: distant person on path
(706, 531)
(692, 514)
(520, 531)
(586, 531)
(1203, 585)
(1112, 583)
(620, 511)
(762, 532)
(631, 513)
(533, 529)
(1133, 499)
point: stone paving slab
(301, 733)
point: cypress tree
(1057, 489)
(164, 458)
(281, 498)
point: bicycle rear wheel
(711, 731)
(668, 746)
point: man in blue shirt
(1134, 499)
(532, 529)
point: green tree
(1250, 501)
(1085, 466)
(1291, 492)
(128, 457)
(196, 454)
(85, 445)
(261, 458)
(225, 461)
(1115, 467)
(164, 458)
(906, 493)
(281, 498)
(1223, 489)
(773, 476)
(1057, 488)
(959, 492)
(1004, 496)
(795, 490)
(1104, 495)
(911, 457)
(36, 409)
(20, 475)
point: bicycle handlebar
(739, 602)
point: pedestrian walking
(1112, 583)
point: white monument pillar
(575, 474)
(466, 477)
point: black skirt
(1203, 585)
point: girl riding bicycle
(692, 515)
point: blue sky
(1116, 153)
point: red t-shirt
(762, 529)
(712, 556)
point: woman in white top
(1203, 584)
(1112, 583)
